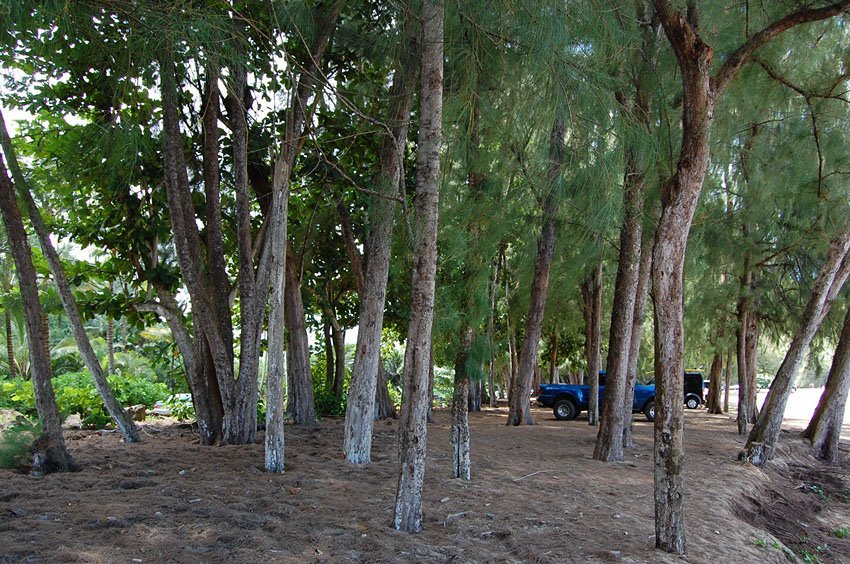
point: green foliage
(181, 410)
(15, 443)
(66, 361)
(326, 403)
(841, 532)
(18, 394)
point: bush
(18, 394)
(15, 444)
(66, 362)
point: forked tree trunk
(591, 291)
(123, 421)
(761, 442)
(417, 360)
(519, 411)
(360, 409)
(824, 429)
(49, 451)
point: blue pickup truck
(568, 400)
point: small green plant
(810, 557)
(181, 410)
(841, 532)
(15, 443)
(814, 489)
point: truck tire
(691, 402)
(649, 411)
(565, 410)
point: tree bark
(10, 346)
(716, 372)
(741, 352)
(591, 291)
(122, 420)
(824, 429)
(49, 451)
(726, 378)
(417, 363)
(641, 297)
(753, 327)
(461, 463)
(360, 409)
(298, 352)
(761, 442)
(519, 411)
(338, 340)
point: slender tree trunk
(360, 409)
(417, 364)
(726, 382)
(474, 395)
(591, 291)
(716, 373)
(824, 429)
(461, 464)
(110, 345)
(338, 339)
(10, 347)
(298, 353)
(329, 356)
(753, 323)
(831, 278)
(49, 451)
(641, 297)
(491, 320)
(743, 371)
(519, 411)
(123, 421)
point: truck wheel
(565, 410)
(691, 402)
(649, 411)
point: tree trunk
(743, 371)
(716, 372)
(591, 291)
(122, 420)
(360, 409)
(329, 356)
(298, 352)
(474, 395)
(824, 429)
(491, 360)
(10, 347)
(753, 323)
(338, 339)
(461, 464)
(110, 342)
(762, 439)
(641, 297)
(417, 363)
(519, 410)
(726, 377)
(49, 451)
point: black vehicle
(694, 389)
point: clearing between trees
(535, 496)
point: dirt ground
(536, 496)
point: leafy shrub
(69, 361)
(18, 394)
(15, 443)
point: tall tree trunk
(110, 344)
(329, 356)
(641, 297)
(491, 320)
(715, 374)
(726, 382)
(824, 430)
(277, 243)
(591, 291)
(122, 420)
(519, 410)
(831, 278)
(474, 395)
(338, 339)
(741, 353)
(417, 363)
(461, 463)
(298, 353)
(10, 347)
(49, 451)
(360, 410)
(553, 358)
(753, 326)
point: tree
(824, 429)
(49, 451)
(123, 421)
(417, 361)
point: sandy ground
(536, 496)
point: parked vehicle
(568, 400)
